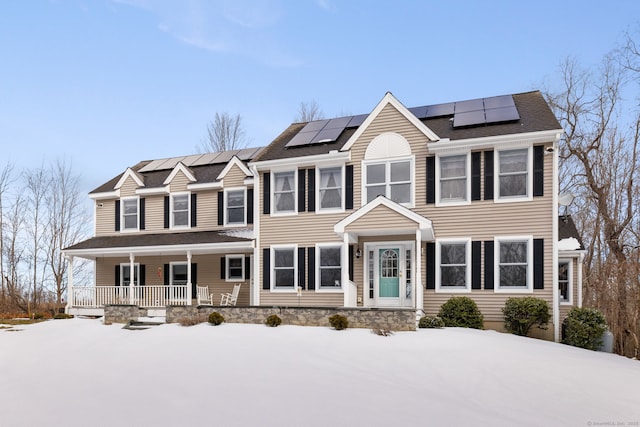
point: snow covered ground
(82, 373)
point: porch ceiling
(160, 244)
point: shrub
(191, 320)
(339, 322)
(273, 320)
(584, 328)
(216, 318)
(520, 314)
(430, 322)
(38, 316)
(461, 312)
(63, 316)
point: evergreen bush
(273, 320)
(339, 322)
(520, 314)
(430, 322)
(461, 312)
(584, 328)
(216, 318)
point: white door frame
(403, 300)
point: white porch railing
(142, 296)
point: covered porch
(154, 271)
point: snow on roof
(569, 244)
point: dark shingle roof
(567, 229)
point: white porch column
(69, 285)
(346, 285)
(189, 278)
(419, 292)
(132, 276)
(580, 265)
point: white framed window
(392, 179)
(180, 210)
(235, 268)
(235, 207)
(453, 268)
(454, 185)
(284, 192)
(565, 281)
(513, 177)
(125, 274)
(513, 257)
(130, 207)
(178, 273)
(330, 189)
(284, 271)
(329, 267)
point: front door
(388, 276)
(389, 273)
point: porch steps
(141, 325)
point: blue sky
(107, 83)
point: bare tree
(224, 133)
(37, 186)
(6, 177)
(599, 159)
(67, 222)
(17, 287)
(309, 111)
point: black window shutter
(266, 192)
(220, 207)
(194, 279)
(538, 171)
(167, 272)
(348, 191)
(266, 268)
(301, 267)
(475, 175)
(143, 275)
(351, 249)
(117, 213)
(311, 272)
(247, 268)
(476, 264)
(431, 265)
(538, 263)
(431, 181)
(311, 193)
(223, 267)
(166, 211)
(488, 175)
(302, 173)
(116, 275)
(249, 205)
(488, 264)
(194, 210)
(142, 219)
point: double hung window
(130, 214)
(513, 174)
(180, 210)
(391, 179)
(453, 271)
(235, 207)
(330, 188)
(453, 178)
(284, 267)
(514, 260)
(284, 192)
(329, 267)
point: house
(401, 207)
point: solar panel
(316, 125)
(469, 118)
(419, 112)
(339, 123)
(327, 135)
(302, 138)
(152, 165)
(505, 114)
(498, 102)
(356, 120)
(471, 105)
(440, 110)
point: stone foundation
(123, 313)
(391, 319)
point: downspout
(255, 282)
(418, 292)
(580, 265)
(554, 233)
(346, 285)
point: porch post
(419, 292)
(132, 276)
(346, 284)
(189, 278)
(69, 285)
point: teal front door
(389, 270)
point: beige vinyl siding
(179, 183)
(105, 217)
(234, 178)
(381, 218)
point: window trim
(136, 266)
(171, 270)
(319, 208)
(272, 268)
(569, 262)
(319, 247)
(227, 267)
(467, 288)
(123, 228)
(172, 211)
(446, 202)
(528, 239)
(387, 162)
(274, 211)
(226, 207)
(496, 176)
